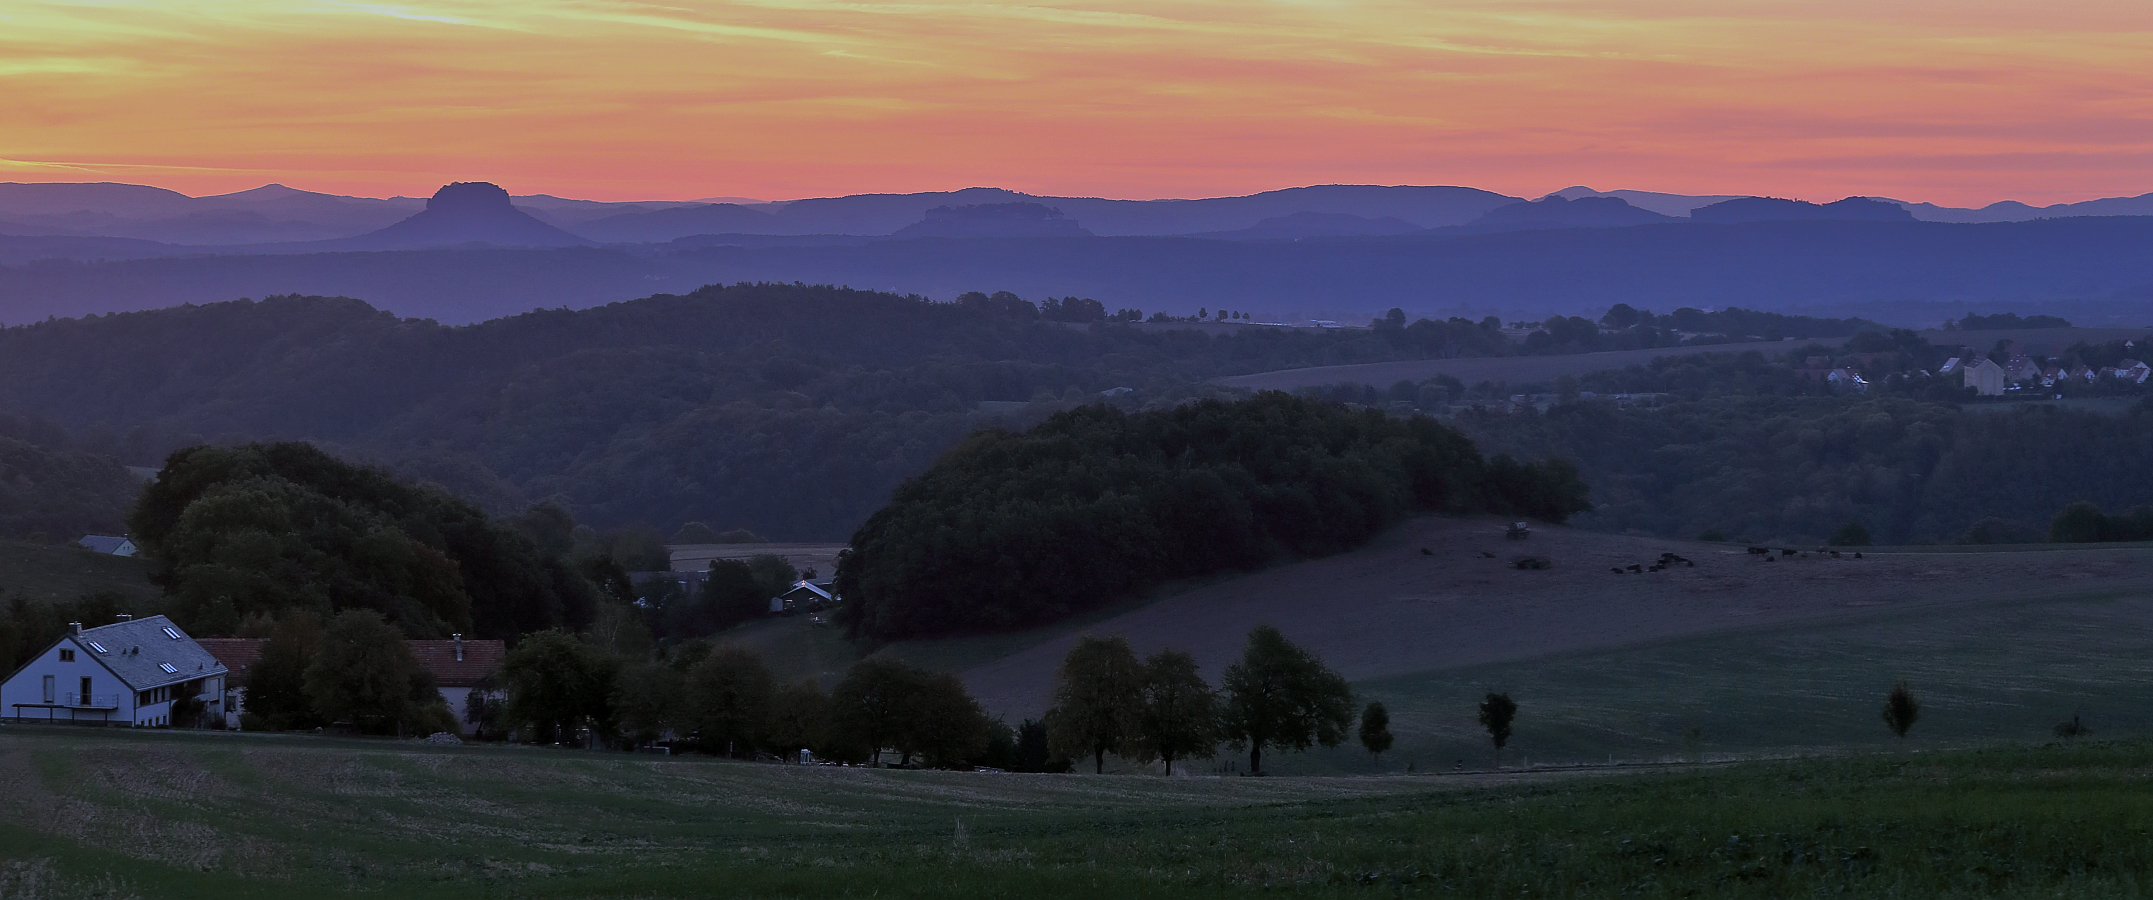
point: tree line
(1017, 528)
(1277, 696)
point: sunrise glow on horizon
(1955, 103)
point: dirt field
(696, 557)
(1388, 610)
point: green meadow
(155, 814)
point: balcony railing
(92, 701)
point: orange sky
(1961, 102)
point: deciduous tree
(1375, 729)
(362, 672)
(870, 707)
(1280, 695)
(557, 685)
(728, 699)
(1496, 714)
(1901, 710)
(1097, 693)
(1177, 713)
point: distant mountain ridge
(252, 220)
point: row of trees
(1276, 696)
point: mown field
(115, 814)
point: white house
(125, 673)
(112, 544)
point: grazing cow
(1857, 554)
(1486, 555)
(1760, 551)
(1426, 552)
(1638, 569)
(1618, 570)
(1835, 554)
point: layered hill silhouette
(467, 212)
(1877, 270)
(986, 220)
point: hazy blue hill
(1317, 224)
(987, 220)
(1556, 211)
(57, 198)
(1774, 209)
(657, 226)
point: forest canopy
(262, 529)
(1018, 528)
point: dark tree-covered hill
(262, 529)
(788, 409)
(1014, 529)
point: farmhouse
(804, 595)
(114, 545)
(458, 666)
(126, 673)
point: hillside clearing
(42, 572)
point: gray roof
(137, 651)
(103, 543)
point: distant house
(805, 595)
(457, 666)
(2021, 370)
(125, 673)
(2133, 371)
(108, 544)
(1985, 377)
(1847, 379)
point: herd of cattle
(1666, 561)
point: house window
(85, 698)
(171, 632)
(167, 667)
(50, 689)
(67, 655)
(98, 647)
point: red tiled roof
(235, 654)
(480, 658)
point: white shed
(125, 673)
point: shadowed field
(135, 814)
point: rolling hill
(1387, 616)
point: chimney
(124, 617)
(74, 628)
(458, 638)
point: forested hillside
(1093, 505)
(262, 530)
(1751, 451)
(788, 409)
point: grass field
(129, 814)
(41, 572)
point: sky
(1961, 103)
